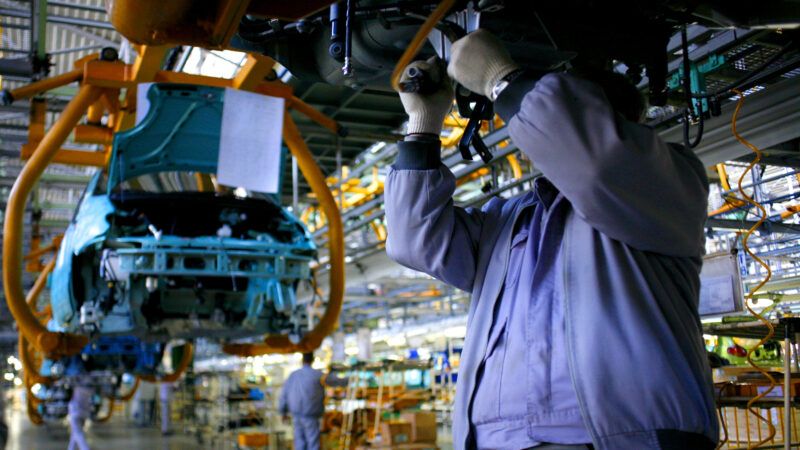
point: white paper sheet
(142, 103)
(250, 141)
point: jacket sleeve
(618, 175)
(426, 232)
(283, 400)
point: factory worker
(302, 398)
(80, 409)
(164, 397)
(583, 326)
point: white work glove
(426, 112)
(479, 61)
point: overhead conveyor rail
(767, 120)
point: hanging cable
(689, 115)
(749, 297)
(687, 119)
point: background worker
(80, 409)
(165, 397)
(303, 398)
(145, 403)
(602, 254)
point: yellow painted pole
(29, 90)
(314, 114)
(50, 343)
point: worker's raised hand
(427, 109)
(479, 61)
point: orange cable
(771, 329)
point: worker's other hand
(426, 112)
(479, 61)
(286, 420)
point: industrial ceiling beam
(58, 19)
(78, 6)
(89, 35)
(768, 118)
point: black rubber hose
(689, 114)
(686, 125)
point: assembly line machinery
(688, 56)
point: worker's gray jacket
(632, 251)
(303, 394)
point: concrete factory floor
(117, 434)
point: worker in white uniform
(80, 409)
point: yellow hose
(186, 359)
(33, 414)
(516, 169)
(109, 413)
(329, 320)
(131, 393)
(419, 40)
(29, 367)
(50, 343)
(749, 296)
(316, 180)
(723, 176)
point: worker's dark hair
(308, 358)
(625, 99)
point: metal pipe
(314, 114)
(76, 49)
(50, 343)
(787, 388)
(34, 254)
(762, 181)
(295, 187)
(59, 19)
(29, 90)
(347, 67)
(98, 9)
